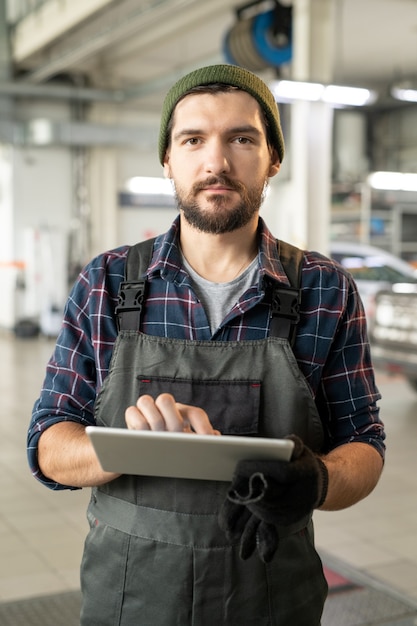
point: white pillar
(6, 151)
(103, 199)
(7, 240)
(319, 151)
(350, 146)
(308, 188)
(313, 60)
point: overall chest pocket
(232, 405)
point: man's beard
(220, 218)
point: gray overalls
(155, 555)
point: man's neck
(219, 258)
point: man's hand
(165, 413)
(267, 494)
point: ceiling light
(291, 90)
(288, 91)
(40, 131)
(150, 185)
(404, 92)
(353, 96)
(409, 95)
(393, 181)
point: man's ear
(167, 168)
(275, 164)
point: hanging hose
(274, 46)
(239, 48)
(261, 41)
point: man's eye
(192, 141)
(243, 140)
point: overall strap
(285, 303)
(132, 289)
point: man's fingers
(135, 420)
(172, 417)
(197, 418)
(165, 413)
(145, 415)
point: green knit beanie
(229, 75)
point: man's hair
(217, 78)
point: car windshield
(372, 268)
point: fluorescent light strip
(393, 181)
(404, 93)
(150, 185)
(354, 96)
(288, 91)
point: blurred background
(81, 90)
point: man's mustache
(217, 180)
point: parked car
(394, 333)
(373, 269)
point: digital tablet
(180, 455)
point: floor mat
(354, 600)
(61, 609)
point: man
(208, 360)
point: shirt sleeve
(345, 391)
(81, 358)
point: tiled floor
(42, 532)
(378, 535)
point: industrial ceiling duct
(259, 41)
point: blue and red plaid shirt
(331, 344)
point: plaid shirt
(331, 345)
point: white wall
(6, 204)
(134, 223)
(43, 192)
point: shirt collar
(166, 259)
(269, 261)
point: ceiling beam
(149, 22)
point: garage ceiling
(141, 46)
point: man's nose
(217, 158)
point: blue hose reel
(261, 41)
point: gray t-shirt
(219, 298)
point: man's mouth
(218, 188)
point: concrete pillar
(304, 195)
(103, 199)
(312, 121)
(351, 161)
(5, 61)
(6, 151)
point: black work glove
(266, 494)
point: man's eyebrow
(234, 130)
(187, 132)
(243, 130)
